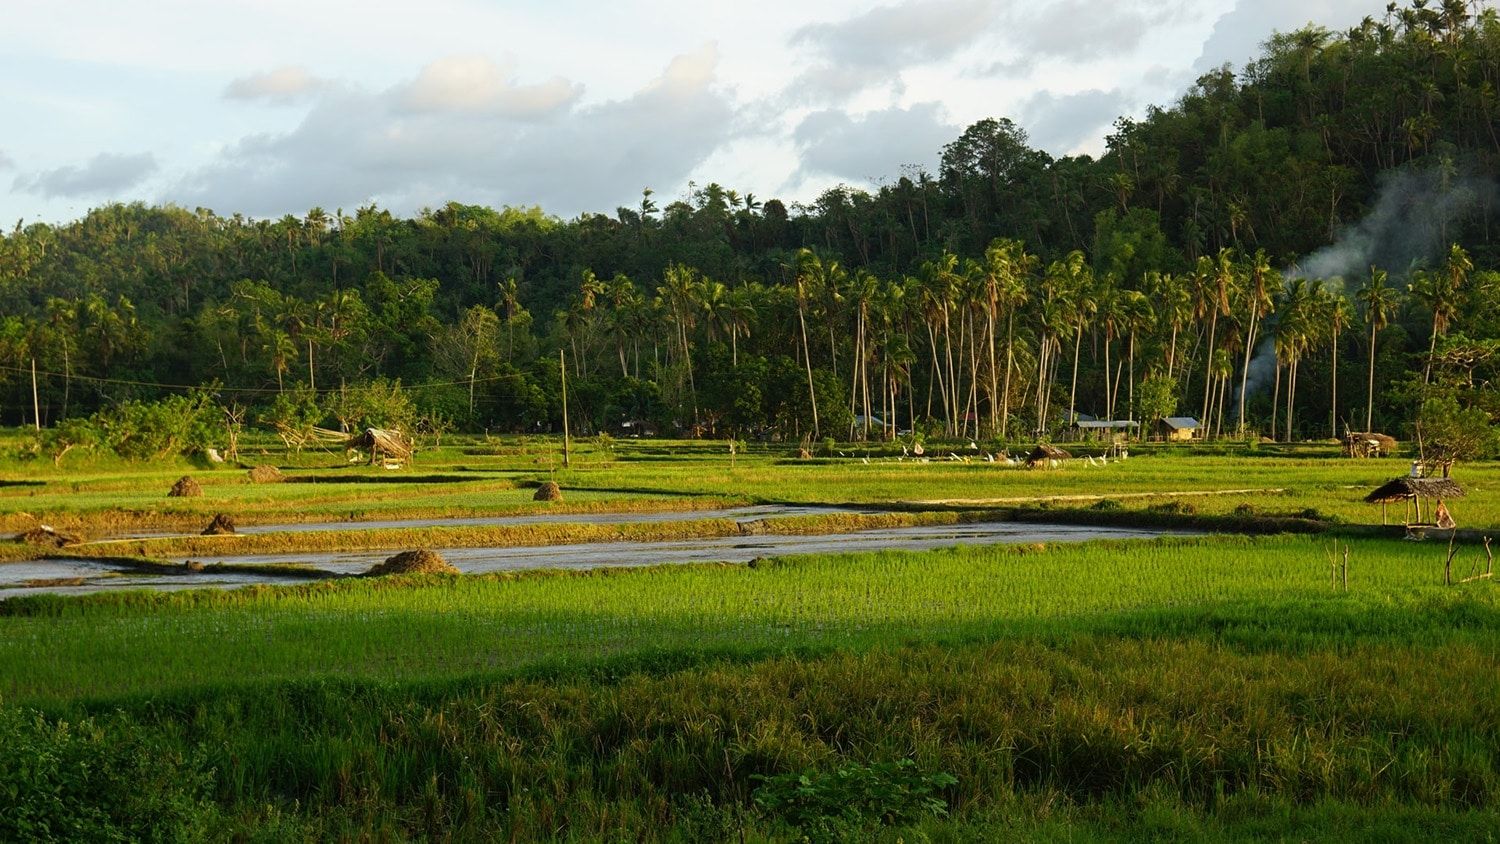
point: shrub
(91, 781)
(843, 803)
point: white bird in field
(973, 446)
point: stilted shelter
(1412, 492)
(1045, 455)
(1369, 444)
(384, 445)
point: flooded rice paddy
(75, 576)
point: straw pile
(46, 537)
(185, 487)
(548, 491)
(421, 561)
(266, 474)
(222, 525)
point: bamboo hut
(385, 446)
(1412, 492)
(1368, 444)
(1045, 455)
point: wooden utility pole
(36, 406)
(563, 368)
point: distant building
(1177, 428)
(1088, 428)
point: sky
(268, 107)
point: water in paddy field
(81, 576)
(743, 514)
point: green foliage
(1156, 398)
(97, 780)
(293, 414)
(380, 403)
(850, 801)
(1451, 433)
(148, 430)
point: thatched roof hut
(1412, 492)
(1369, 444)
(382, 444)
(1407, 488)
(1044, 454)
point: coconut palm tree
(1262, 282)
(808, 271)
(1443, 293)
(1222, 273)
(1336, 314)
(1295, 331)
(1379, 302)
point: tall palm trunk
(812, 395)
(1370, 399)
(1333, 402)
(989, 314)
(1010, 358)
(1208, 372)
(1245, 369)
(1073, 391)
(1291, 392)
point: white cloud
(6, 162)
(1062, 123)
(875, 46)
(476, 84)
(872, 147)
(105, 174)
(282, 85)
(356, 146)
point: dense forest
(1304, 247)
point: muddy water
(736, 549)
(69, 577)
(744, 514)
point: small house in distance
(1177, 428)
(1088, 428)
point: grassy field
(1220, 686)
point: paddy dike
(739, 514)
(76, 576)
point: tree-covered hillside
(1318, 235)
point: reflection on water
(33, 577)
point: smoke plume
(1416, 213)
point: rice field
(1188, 688)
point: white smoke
(1416, 213)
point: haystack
(548, 491)
(222, 525)
(804, 454)
(266, 474)
(47, 536)
(421, 561)
(1044, 455)
(185, 487)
